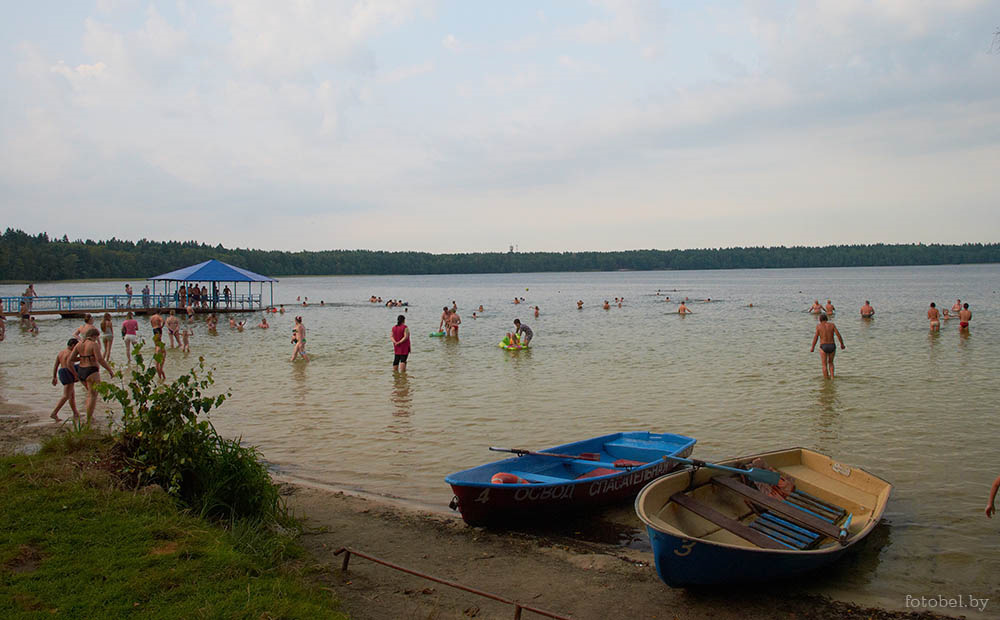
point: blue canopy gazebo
(216, 271)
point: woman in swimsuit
(107, 334)
(89, 355)
(67, 376)
(299, 340)
(88, 322)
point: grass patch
(73, 543)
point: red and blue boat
(571, 477)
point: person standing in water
(400, 344)
(174, 329)
(107, 334)
(934, 317)
(964, 316)
(825, 331)
(453, 322)
(130, 334)
(68, 377)
(990, 509)
(156, 322)
(88, 353)
(299, 340)
(444, 318)
(524, 332)
(867, 311)
(683, 309)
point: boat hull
(689, 551)
(484, 503)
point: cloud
(451, 43)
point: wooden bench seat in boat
(731, 525)
(795, 514)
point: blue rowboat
(570, 477)
(710, 527)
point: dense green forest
(25, 257)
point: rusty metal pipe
(496, 597)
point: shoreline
(558, 573)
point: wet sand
(556, 573)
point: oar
(757, 475)
(586, 456)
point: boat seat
(633, 451)
(538, 478)
(793, 513)
(730, 525)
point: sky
(457, 126)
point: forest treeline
(33, 258)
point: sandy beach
(555, 573)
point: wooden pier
(68, 306)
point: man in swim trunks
(815, 308)
(934, 317)
(524, 332)
(825, 331)
(130, 333)
(156, 322)
(963, 318)
(174, 329)
(867, 311)
(89, 354)
(444, 318)
(683, 309)
(67, 376)
(829, 307)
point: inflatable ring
(437, 334)
(505, 478)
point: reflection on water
(914, 407)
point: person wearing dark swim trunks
(91, 358)
(156, 322)
(67, 377)
(825, 332)
(867, 311)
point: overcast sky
(468, 126)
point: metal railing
(119, 303)
(518, 607)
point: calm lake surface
(916, 408)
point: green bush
(163, 442)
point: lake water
(916, 408)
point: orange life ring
(505, 478)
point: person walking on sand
(934, 317)
(107, 334)
(299, 340)
(130, 334)
(68, 377)
(825, 331)
(964, 316)
(88, 353)
(867, 311)
(400, 344)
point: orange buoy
(505, 478)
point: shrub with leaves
(164, 442)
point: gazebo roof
(213, 271)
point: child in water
(185, 336)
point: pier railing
(120, 303)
